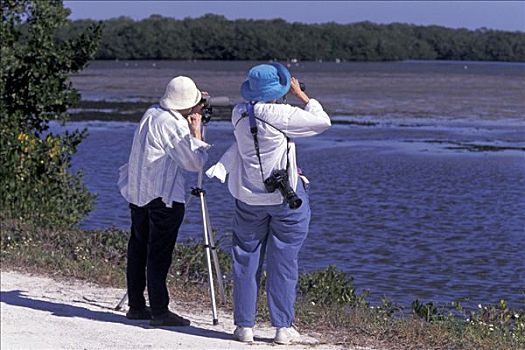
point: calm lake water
(425, 198)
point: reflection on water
(406, 217)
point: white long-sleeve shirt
(240, 160)
(162, 148)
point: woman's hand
(194, 119)
(194, 122)
(295, 89)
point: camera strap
(253, 130)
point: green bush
(328, 287)
(495, 321)
(425, 311)
(35, 183)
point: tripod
(209, 244)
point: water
(400, 89)
(429, 207)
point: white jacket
(162, 148)
(240, 160)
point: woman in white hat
(167, 140)
(272, 212)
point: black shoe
(169, 319)
(139, 314)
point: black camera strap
(253, 129)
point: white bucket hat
(181, 93)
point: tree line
(213, 37)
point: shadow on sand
(19, 298)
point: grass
(327, 303)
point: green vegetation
(328, 303)
(213, 37)
(34, 180)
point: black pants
(154, 229)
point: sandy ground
(42, 313)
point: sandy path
(41, 313)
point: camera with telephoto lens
(209, 102)
(279, 180)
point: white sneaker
(244, 334)
(287, 335)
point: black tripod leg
(121, 302)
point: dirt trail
(42, 313)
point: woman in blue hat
(272, 212)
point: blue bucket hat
(266, 82)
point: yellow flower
(55, 151)
(22, 137)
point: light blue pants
(277, 232)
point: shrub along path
(40, 312)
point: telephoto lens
(293, 200)
(279, 180)
(209, 102)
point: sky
(502, 15)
